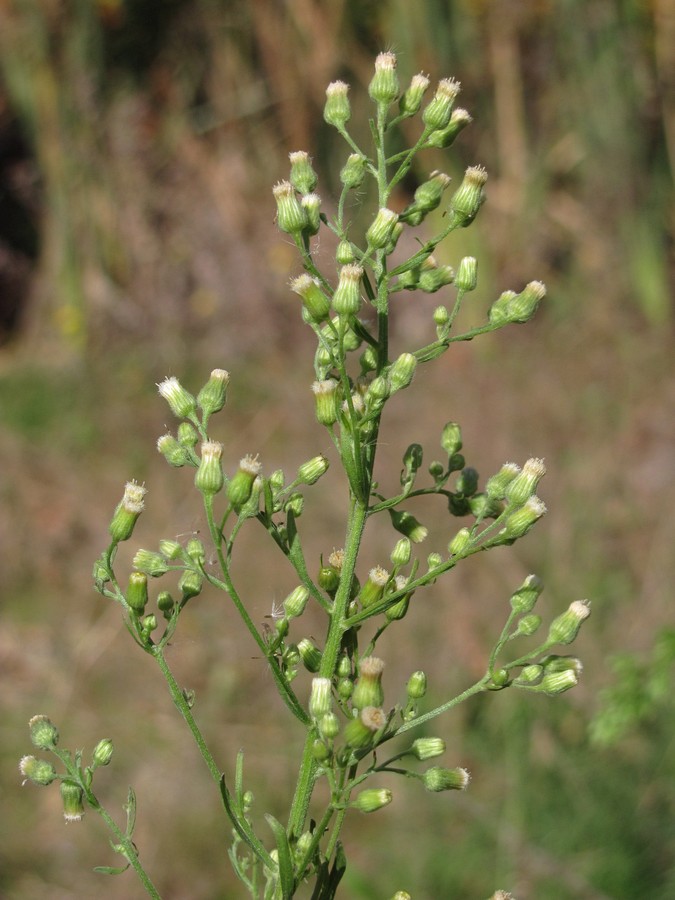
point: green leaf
(286, 872)
(243, 829)
(110, 870)
(130, 809)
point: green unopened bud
(417, 686)
(43, 733)
(71, 795)
(400, 555)
(441, 317)
(291, 216)
(137, 592)
(466, 278)
(428, 747)
(402, 371)
(320, 698)
(211, 398)
(451, 438)
(328, 579)
(373, 589)
(467, 481)
(347, 296)
(337, 110)
(295, 504)
(557, 682)
(190, 584)
(500, 312)
(148, 625)
(360, 732)
(372, 799)
(172, 451)
(555, 663)
(524, 599)
(295, 603)
(469, 196)
(517, 308)
(127, 512)
(345, 253)
(519, 522)
(530, 675)
(103, 752)
(181, 402)
(310, 655)
(241, 486)
(496, 485)
(398, 610)
(153, 564)
(368, 690)
(303, 177)
(165, 603)
(187, 435)
(433, 279)
(444, 137)
(353, 172)
(524, 485)
(528, 625)
(381, 229)
(311, 203)
(39, 771)
(405, 523)
(314, 300)
(195, 550)
(438, 779)
(565, 627)
(378, 391)
(428, 194)
(482, 507)
(325, 398)
(329, 727)
(170, 549)
(411, 100)
(437, 113)
(383, 87)
(345, 688)
(434, 560)
(460, 542)
(209, 477)
(313, 469)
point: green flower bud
(187, 435)
(417, 686)
(152, 564)
(496, 485)
(295, 603)
(372, 799)
(383, 87)
(500, 677)
(565, 627)
(466, 278)
(400, 555)
(469, 196)
(103, 752)
(303, 177)
(165, 603)
(441, 317)
(313, 469)
(460, 542)
(211, 398)
(170, 549)
(517, 308)
(500, 312)
(437, 113)
(524, 485)
(329, 727)
(444, 137)
(295, 504)
(345, 688)
(524, 599)
(402, 371)
(428, 747)
(240, 488)
(528, 625)
(337, 110)
(554, 663)
(344, 667)
(373, 589)
(519, 522)
(482, 507)
(311, 203)
(71, 795)
(181, 402)
(310, 655)
(320, 698)
(320, 750)
(434, 560)
(438, 779)
(291, 216)
(428, 194)
(325, 398)
(411, 100)
(39, 771)
(530, 675)
(347, 296)
(209, 477)
(353, 172)
(451, 438)
(557, 682)
(398, 610)
(190, 584)
(380, 231)
(344, 255)
(433, 279)
(172, 451)
(405, 523)
(359, 733)
(368, 690)
(148, 625)
(127, 512)
(467, 481)
(43, 733)
(328, 579)
(137, 592)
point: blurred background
(139, 141)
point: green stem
(476, 688)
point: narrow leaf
(286, 873)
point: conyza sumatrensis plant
(351, 730)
